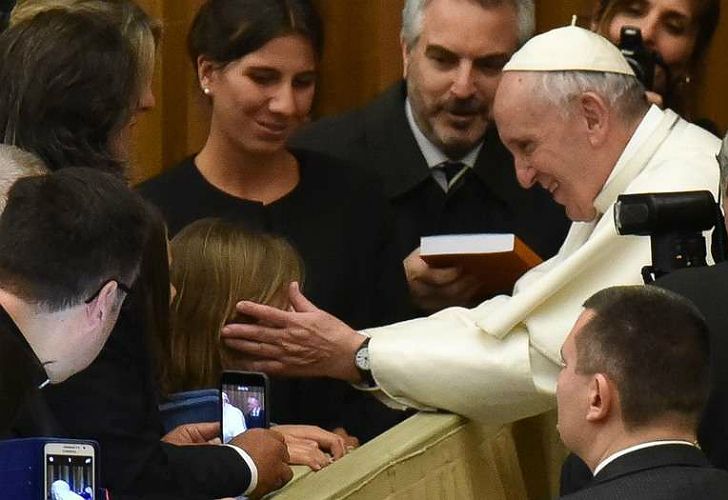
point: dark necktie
(452, 171)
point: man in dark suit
(634, 380)
(430, 141)
(255, 416)
(67, 258)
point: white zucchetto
(569, 48)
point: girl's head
(256, 62)
(89, 84)
(216, 264)
(679, 30)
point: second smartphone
(245, 402)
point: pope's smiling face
(550, 147)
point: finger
(299, 301)
(318, 459)
(254, 349)
(261, 312)
(462, 289)
(308, 443)
(214, 441)
(206, 430)
(273, 367)
(439, 276)
(302, 454)
(351, 442)
(286, 458)
(327, 441)
(338, 448)
(277, 436)
(253, 332)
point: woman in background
(680, 31)
(72, 99)
(215, 264)
(256, 63)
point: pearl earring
(206, 90)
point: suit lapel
(392, 142)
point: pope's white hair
(623, 93)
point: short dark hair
(64, 234)
(69, 85)
(654, 345)
(226, 30)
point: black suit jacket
(665, 472)
(20, 372)
(255, 422)
(378, 138)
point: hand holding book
(498, 260)
(434, 288)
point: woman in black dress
(256, 63)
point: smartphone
(244, 402)
(69, 468)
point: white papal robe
(499, 361)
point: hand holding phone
(267, 449)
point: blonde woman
(216, 263)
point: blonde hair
(15, 164)
(140, 30)
(215, 264)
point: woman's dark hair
(226, 30)
(707, 17)
(69, 86)
(148, 306)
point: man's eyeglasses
(122, 287)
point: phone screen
(244, 403)
(69, 471)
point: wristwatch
(361, 362)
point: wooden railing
(442, 456)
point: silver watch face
(361, 359)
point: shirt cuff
(251, 465)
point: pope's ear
(595, 113)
